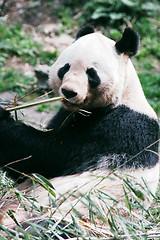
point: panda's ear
(84, 31)
(129, 43)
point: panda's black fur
(84, 31)
(108, 137)
(80, 142)
(63, 70)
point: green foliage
(45, 183)
(47, 57)
(151, 85)
(11, 80)
(107, 12)
(118, 11)
(13, 41)
(65, 18)
(5, 184)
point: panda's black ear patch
(84, 31)
(129, 43)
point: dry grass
(128, 221)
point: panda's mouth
(72, 106)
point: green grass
(10, 79)
(151, 86)
(15, 42)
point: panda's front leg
(24, 148)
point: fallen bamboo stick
(27, 105)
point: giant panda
(105, 126)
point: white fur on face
(91, 51)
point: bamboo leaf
(43, 179)
(20, 200)
(137, 192)
(11, 214)
(127, 200)
(44, 183)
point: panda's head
(92, 71)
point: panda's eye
(63, 70)
(93, 77)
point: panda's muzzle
(73, 106)
(70, 98)
(74, 90)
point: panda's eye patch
(93, 77)
(63, 70)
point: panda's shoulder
(122, 120)
(119, 118)
(125, 115)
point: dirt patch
(20, 66)
(30, 12)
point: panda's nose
(68, 94)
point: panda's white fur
(133, 95)
(119, 81)
(119, 86)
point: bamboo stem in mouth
(27, 105)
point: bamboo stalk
(27, 105)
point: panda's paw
(4, 113)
